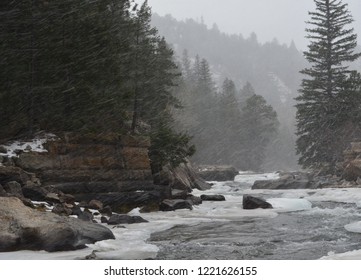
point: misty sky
(283, 19)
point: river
(304, 224)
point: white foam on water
(131, 241)
(354, 227)
(289, 204)
(351, 255)
(250, 177)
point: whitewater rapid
(133, 241)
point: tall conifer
(331, 47)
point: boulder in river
(214, 197)
(293, 180)
(23, 228)
(217, 173)
(125, 219)
(251, 202)
(175, 204)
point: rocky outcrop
(217, 173)
(351, 167)
(175, 204)
(125, 219)
(16, 174)
(183, 177)
(22, 228)
(251, 202)
(83, 164)
(293, 180)
(113, 169)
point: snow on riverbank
(34, 145)
(131, 241)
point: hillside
(271, 68)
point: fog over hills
(281, 19)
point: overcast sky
(283, 19)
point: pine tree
(259, 126)
(318, 110)
(228, 125)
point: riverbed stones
(125, 219)
(23, 228)
(95, 204)
(175, 204)
(13, 188)
(107, 211)
(3, 150)
(251, 202)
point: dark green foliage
(87, 66)
(169, 147)
(328, 92)
(259, 126)
(62, 63)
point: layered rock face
(83, 164)
(111, 168)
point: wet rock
(174, 204)
(194, 200)
(103, 220)
(27, 202)
(86, 216)
(125, 219)
(2, 191)
(107, 210)
(352, 170)
(23, 228)
(217, 173)
(35, 193)
(3, 150)
(52, 197)
(66, 198)
(92, 256)
(11, 173)
(183, 177)
(124, 202)
(179, 194)
(76, 211)
(282, 184)
(61, 210)
(13, 188)
(95, 204)
(251, 202)
(214, 197)
(287, 181)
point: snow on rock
(33, 145)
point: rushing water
(299, 230)
(304, 224)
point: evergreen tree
(319, 105)
(259, 127)
(228, 126)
